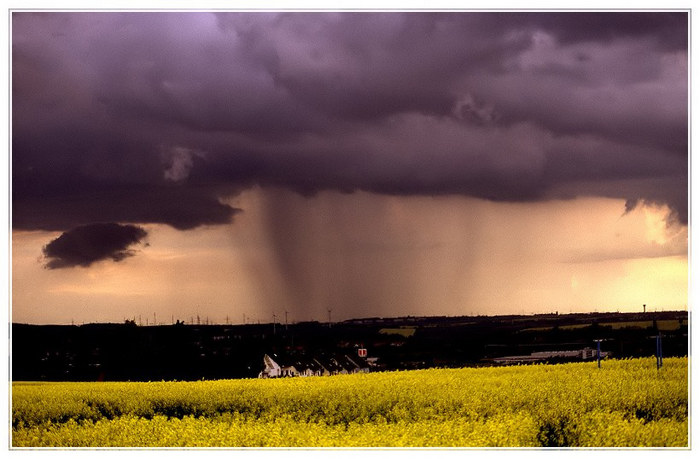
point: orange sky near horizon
(368, 255)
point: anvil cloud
(140, 117)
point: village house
(297, 364)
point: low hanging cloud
(85, 245)
(154, 117)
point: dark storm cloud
(85, 245)
(181, 208)
(156, 117)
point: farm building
(581, 354)
(279, 365)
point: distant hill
(126, 351)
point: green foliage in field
(574, 326)
(662, 325)
(625, 403)
(406, 332)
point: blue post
(657, 352)
(598, 343)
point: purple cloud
(156, 117)
(85, 245)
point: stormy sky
(375, 163)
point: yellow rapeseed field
(626, 403)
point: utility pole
(329, 318)
(274, 319)
(598, 341)
(286, 326)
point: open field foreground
(626, 403)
